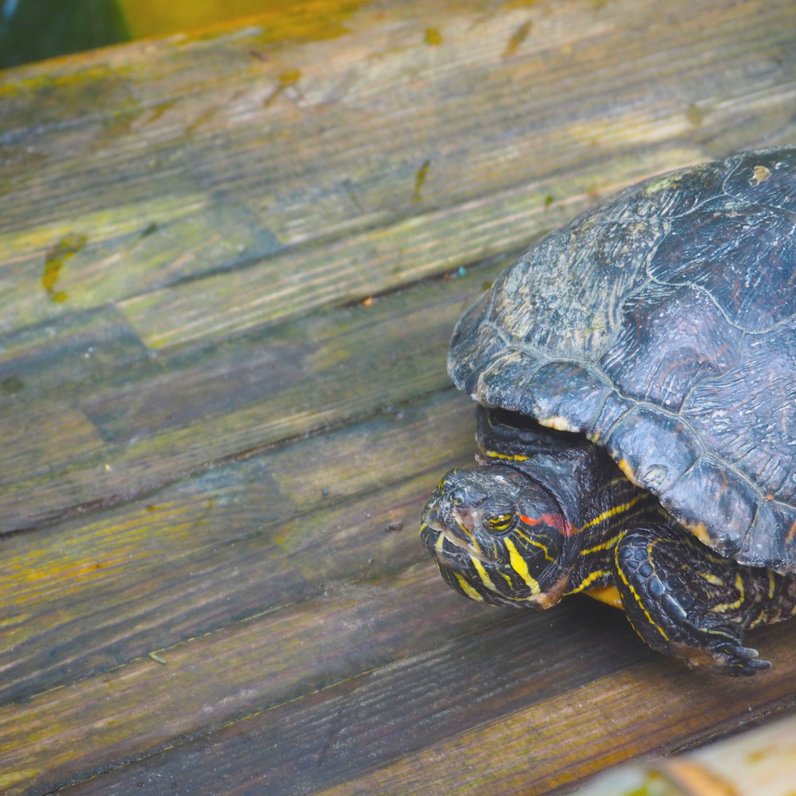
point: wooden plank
(89, 482)
(217, 453)
(244, 185)
(96, 362)
(71, 356)
(330, 734)
(240, 540)
(70, 731)
(163, 574)
(347, 270)
(35, 441)
(558, 742)
(316, 371)
(166, 417)
(533, 714)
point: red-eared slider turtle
(636, 375)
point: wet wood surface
(230, 264)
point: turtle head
(497, 536)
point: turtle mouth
(446, 544)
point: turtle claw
(736, 650)
(725, 657)
(737, 660)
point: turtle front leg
(688, 602)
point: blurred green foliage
(31, 30)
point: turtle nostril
(466, 496)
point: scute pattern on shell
(663, 325)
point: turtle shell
(661, 324)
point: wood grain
(162, 418)
(142, 198)
(628, 713)
(230, 264)
(239, 540)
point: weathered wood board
(761, 761)
(229, 268)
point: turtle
(635, 380)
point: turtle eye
(500, 522)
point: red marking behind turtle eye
(554, 520)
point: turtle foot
(728, 657)
(687, 612)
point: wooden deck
(230, 266)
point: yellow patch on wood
(517, 38)
(695, 115)
(420, 179)
(289, 77)
(56, 258)
(15, 777)
(432, 37)
(312, 20)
